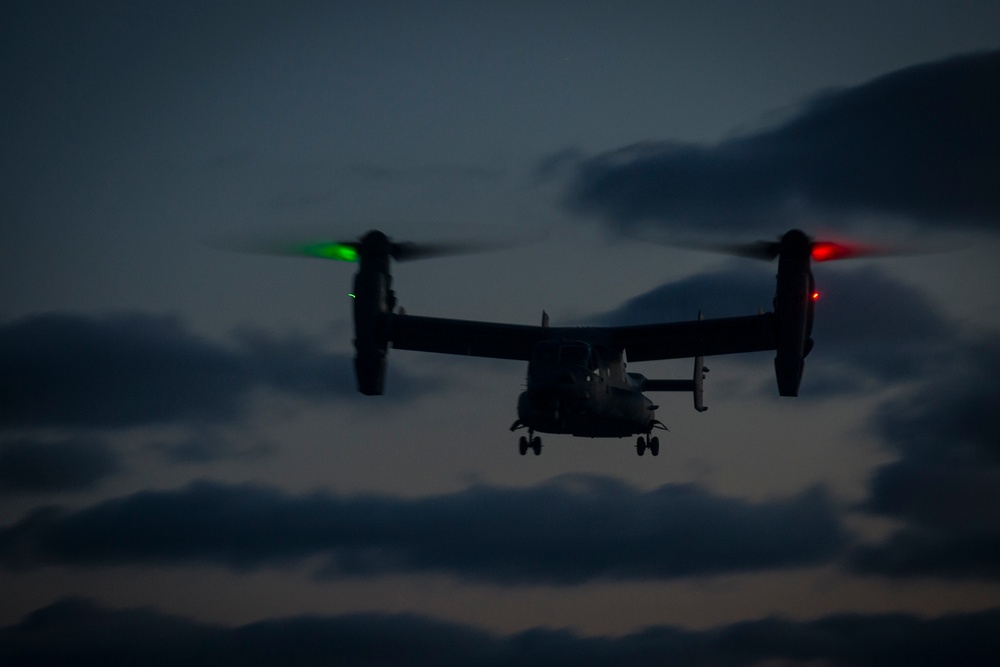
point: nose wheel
(532, 442)
(643, 443)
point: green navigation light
(341, 252)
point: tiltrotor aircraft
(577, 383)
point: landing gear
(534, 443)
(643, 443)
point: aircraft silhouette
(577, 383)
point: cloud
(206, 446)
(954, 418)
(568, 531)
(64, 369)
(921, 143)
(738, 288)
(35, 466)
(945, 487)
(869, 328)
(73, 629)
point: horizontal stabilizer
(695, 385)
(668, 385)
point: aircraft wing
(677, 340)
(464, 337)
(673, 340)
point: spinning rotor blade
(407, 251)
(339, 251)
(347, 251)
(764, 250)
(820, 251)
(373, 242)
(825, 251)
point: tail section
(696, 385)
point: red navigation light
(824, 250)
(815, 296)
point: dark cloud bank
(921, 143)
(945, 486)
(75, 631)
(124, 370)
(39, 466)
(568, 531)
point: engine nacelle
(374, 302)
(793, 311)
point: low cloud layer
(44, 466)
(72, 630)
(568, 531)
(920, 143)
(945, 486)
(63, 369)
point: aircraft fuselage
(583, 390)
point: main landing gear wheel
(644, 443)
(534, 443)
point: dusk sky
(188, 475)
